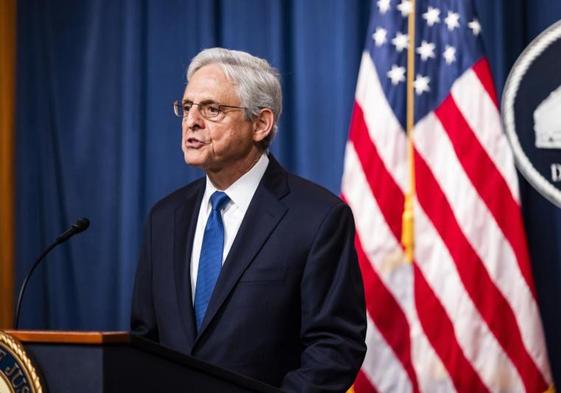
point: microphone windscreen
(82, 224)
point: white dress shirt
(240, 193)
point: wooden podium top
(68, 337)
(145, 366)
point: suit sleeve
(332, 310)
(143, 319)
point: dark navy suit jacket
(288, 308)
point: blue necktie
(210, 261)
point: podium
(96, 362)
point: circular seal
(17, 373)
(531, 109)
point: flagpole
(407, 230)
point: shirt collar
(242, 190)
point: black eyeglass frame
(179, 108)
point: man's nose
(193, 119)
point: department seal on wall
(531, 110)
(17, 373)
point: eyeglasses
(210, 110)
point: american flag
(463, 315)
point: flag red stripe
(389, 319)
(493, 307)
(363, 385)
(488, 182)
(483, 72)
(386, 191)
(440, 332)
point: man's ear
(263, 124)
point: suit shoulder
(309, 192)
(177, 197)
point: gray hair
(258, 85)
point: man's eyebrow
(207, 101)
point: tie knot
(218, 200)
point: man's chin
(196, 162)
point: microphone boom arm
(81, 225)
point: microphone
(79, 226)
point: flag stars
(452, 20)
(396, 74)
(421, 84)
(432, 16)
(426, 50)
(449, 54)
(383, 6)
(380, 36)
(400, 41)
(405, 7)
(475, 27)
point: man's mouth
(194, 143)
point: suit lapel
(263, 215)
(185, 222)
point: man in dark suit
(251, 268)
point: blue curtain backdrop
(96, 136)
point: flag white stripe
(482, 115)
(493, 365)
(381, 367)
(484, 234)
(384, 252)
(432, 376)
(383, 127)
(378, 242)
